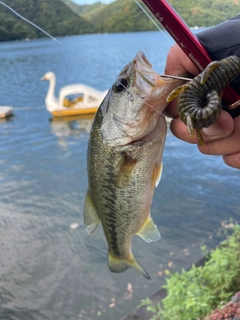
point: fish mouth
(146, 79)
(140, 56)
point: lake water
(49, 270)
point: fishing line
(50, 36)
(75, 52)
(154, 22)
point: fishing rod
(190, 44)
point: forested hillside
(64, 17)
(206, 13)
(88, 11)
(122, 16)
(53, 16)
(125, 15)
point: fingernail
(213, 130)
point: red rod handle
(184, 37)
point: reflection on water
(63, 127)
(49, 268)
(6, 119)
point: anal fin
(149, 231)
(91, 219)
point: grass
(193, 294)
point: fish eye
(120, 85)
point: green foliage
(53, 16)
(64, 17)
(73, 6)
(156, 310)
(122, 16)
(90, 11)
(193, 294)
(87, 11)
(125, 15)
(204, 12)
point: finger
(179, 129)
(178, 62)
(223, 128)
(232, 160)
(171, 109)
(227, 146)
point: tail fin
(119, 265)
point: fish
(124, 160)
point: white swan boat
(74, 99)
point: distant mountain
(206, 13)
(73, 6)
(87, 11)
(64, 17)
(126, 16)
(53, 16)
(121, 16)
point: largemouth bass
(124, 160)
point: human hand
(221, 138)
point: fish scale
(114, 199)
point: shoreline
(142, 313)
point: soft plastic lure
(200, 100)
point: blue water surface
(49, 270)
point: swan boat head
(51, 101)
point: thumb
(222, 128)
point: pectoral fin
(91, 219)
(149, 231)
(125, 169)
